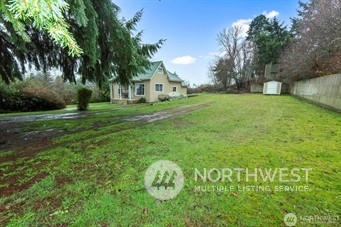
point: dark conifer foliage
(111, 46)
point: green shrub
(37, 95)
(141, 100)
(83, 97)
(29, 95)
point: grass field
(93, 175)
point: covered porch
(120, 94)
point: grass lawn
(94, 174)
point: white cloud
(244, 24)
(184, 60)
(271, 14)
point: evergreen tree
(116, 50)
(270, 38)
(43, 15)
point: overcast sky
(191, 27)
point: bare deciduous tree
(237, 58)
(316, 47)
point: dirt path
(41, 117)
(158, 116)
(13, 135)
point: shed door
(272, 88)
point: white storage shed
(272, 88)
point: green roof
(147, 75)
(173, 77)
(149, 72)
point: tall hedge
(83, 97)
(37, 95)
(30, 95)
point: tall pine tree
(270, 37)
(110, 45)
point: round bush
(83, 97)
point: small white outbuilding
(272, 88)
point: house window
(159, 87)
(160, 70)
(139, 89)
(175, 89)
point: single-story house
(155, 81)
